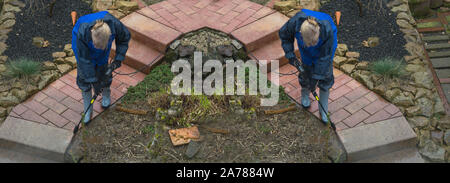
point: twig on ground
(131, 111)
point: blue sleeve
(86, 67)
(122, 38)
(326, 54)
(287, 36)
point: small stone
(425, 105)
(293, 13)
(414, 68)
(11, 8)
(348, 68)
(175, 44)
(409, 57)
(8, 101)
(351, 54)
(5, 87)
(38, 41)
(444, 123)
(58, 54)
(372, 42)
(2, 112)
(64, 68)
(17, 3)
(364, 79)
(48, 65)
(413, 111)
(116, 13)
(404, 24)
(438, 108)
(422, 79)
(447, 137)
(192, 149)
(31, 89)
(401, 8)
(284, 5)
(338, 61)
(394, 3)
(47, 79)
(403, 100)
(8, 24)
(433, 152)
(341, 50)
(437, 136)
(419, 121)
(2, 68)
(20, 94)
(7, 16)
(185, 51)
(127, 5)
(409, 88)
(236, 44)
(71, 61)
(391, 94)
(225, 50)
(421, 92)
(68, 50)
(363, 65)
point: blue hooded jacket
(319, 56)
(88, 57)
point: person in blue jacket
(92, 37)
(316, 36)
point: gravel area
(376, 22)
(56, 29)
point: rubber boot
(87, 97)
(106, 97)
(306, 103)
(323, 99)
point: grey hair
(100, 34)
(310, 31)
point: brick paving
(351, 104)
(60, 103)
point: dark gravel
(57, 29)
(376, 22)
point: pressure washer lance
(328, 114)
(108, 73)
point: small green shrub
(388, 68)
(22, 68)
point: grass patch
(158, 78)
(388, 68)
(23, 68)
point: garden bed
(56, 29)
(295, 136)
(377, 21)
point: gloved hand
(116, 64)
(297, 64)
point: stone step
(410, 155)
(7, 156)
(440, 62)
(257, 34)
(437, 46)
(446, 88)
(435, 38)
(272, 51)
(140, 55)
(439, 54)
(442, 73)
(154, 34)
(34, 139)
(377, 139)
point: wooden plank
(443, 73)
(439, 54)
(436, 38)
(440, 62)
(437, 46)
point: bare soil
(295, 136)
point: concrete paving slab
(7, 156)
(377, 138)
(410, 155)
(34, 139)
